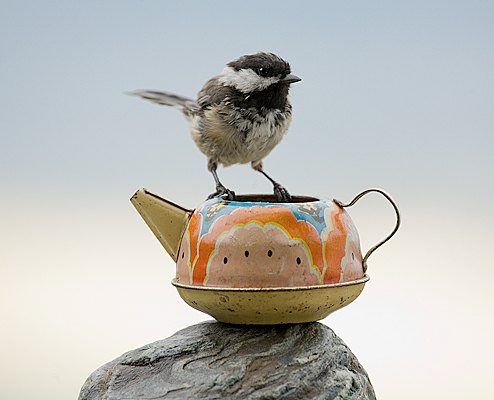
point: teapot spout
(167, 220)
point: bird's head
(257, 72)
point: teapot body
(255, 242)
(257, 261)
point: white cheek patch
(245, 80)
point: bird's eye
(264, 71)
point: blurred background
(397, 95)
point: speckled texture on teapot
(259, 244)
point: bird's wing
(213, 93)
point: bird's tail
(184, 104)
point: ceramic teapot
(257, 261)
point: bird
(239, 116)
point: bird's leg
(221, 191)
(280, 192)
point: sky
(396, 95)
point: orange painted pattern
(281, 216)
(326, 252)
(334, 245)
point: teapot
(255, 260)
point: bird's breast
(239, 136)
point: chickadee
(239, 116)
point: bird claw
(223, 192)
(282, 194)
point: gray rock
(212, 360)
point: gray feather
(185, 104)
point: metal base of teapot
(270, 306)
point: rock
(212, 360)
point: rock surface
(212, 360)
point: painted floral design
(248, 244)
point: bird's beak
(290, 78)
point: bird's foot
(282, 194)
(223, 192)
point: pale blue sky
(397, 95)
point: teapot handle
(398, 219)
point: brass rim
(271, 289)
